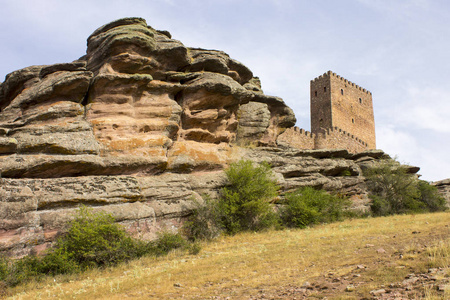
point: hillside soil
(399, 257)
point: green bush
(167, 242)
(93, 240)
(22, 270)
(394, 191)
(58, 261)
(244, 204)
(307, 206)
(204, 223)
(429, 195)
(4, 267)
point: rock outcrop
(443, 187)
(139, 127)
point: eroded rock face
(139, 127)
(127, 128)
(138, 102)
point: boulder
(443, 187)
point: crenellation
(297, 138)
(341, 116)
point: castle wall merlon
(335, 129)
(326, 138)
(346, 81)
(336, 138)
(324, 75)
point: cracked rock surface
(139, 127)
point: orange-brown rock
(139, 127)
(138, 104)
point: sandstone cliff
(139, 127)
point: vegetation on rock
(307, 206)
(313, 263)
(92, 240)
(395, 191)
(245, 203)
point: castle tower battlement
(330, 73)
(338, 102)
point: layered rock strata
(139, 127)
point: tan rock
(141, 127)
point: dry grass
(246, 264)
(440, 254)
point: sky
(397, 49)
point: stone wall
(297, 138)
(336, 138)
(332, 138)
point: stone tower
(337, 102)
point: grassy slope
(255, 263)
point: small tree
(430, 196)
(394, 191)
(244, 204)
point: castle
(341, 117)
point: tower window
(315, 93)
(325, 89)
(353, 121)
(342, 92)
(360, 100)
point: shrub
(4, 267)
(431, 198)
(93, 239)
(22, 270)
(244, 204)
(394, 191)
(58, 261)
(307, 206)
(204, 223)
(167, 242)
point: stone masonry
(337, 102)
(341, 117)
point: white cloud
(424, 108)
(418, 148)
